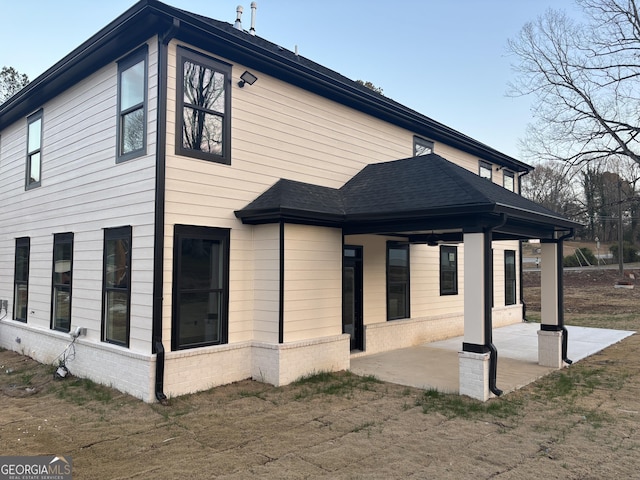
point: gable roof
(414, 195)
(151, 17)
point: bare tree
(585, 81)
(10, 82)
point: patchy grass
(454, 405)
(333, 383)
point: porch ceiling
(415, 197)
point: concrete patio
(435, 365)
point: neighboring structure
(198, 206)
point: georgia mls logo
(35, 468)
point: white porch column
(474, 357)
(550, 333)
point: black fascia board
(245, 51)
(530, 216)
(275, 215)
(140, 22)
(133, 27)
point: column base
(550, 349)
(474, 375)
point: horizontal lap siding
(278, 131)
(312, 282)
(83, 191)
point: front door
(352, 296)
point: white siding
(83, 191)
(312, 282)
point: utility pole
(620, 241)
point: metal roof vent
(254, 7)
(238, 23)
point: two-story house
(186, 204)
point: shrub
(577, 259)
(629, 252)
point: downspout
(488, 306)
(565, 333)
(158, 244)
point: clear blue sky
(446, 59)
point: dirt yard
(578, 423)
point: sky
(447, 59)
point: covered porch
(435, 365)
(429, 200)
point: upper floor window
(485, 170)
(132, 101)
(508, 180)
(422, 146)
(448, 270)
(397, 281)
(34, 150)
(61, 281)
(21, 279)
(203, 120)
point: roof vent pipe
(254, 7)
(238, 23)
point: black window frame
(191, 232)
(482, 165)
(422, 142)
(186, 55)
(113, 234)
(510, 279)
(140, 55)
(392, 245)
(23, 245)
(59, 240)
(509, 174)
(39, 115)
(448, 250)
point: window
(448, 270)
(422, 146)
(200, 286)
(21, 279)
(397, 281)
(203, 120)
(34, 150)
(116, 295)
(508, 180)
(485, 170)
(61, 282)
(132, 101)
(509, 277)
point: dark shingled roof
(420, 189)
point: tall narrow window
(509, 277)
(200, 286)
(34, 150)
(116, 297)
(397, 281)
(448, 270)
(132, 101)
(422, 146)
(61, 282)
(508, 180)
(21, 279)
(203, 120)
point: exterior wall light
(247, 77)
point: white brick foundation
(280, 364)
(474, 375)
(550, 349)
